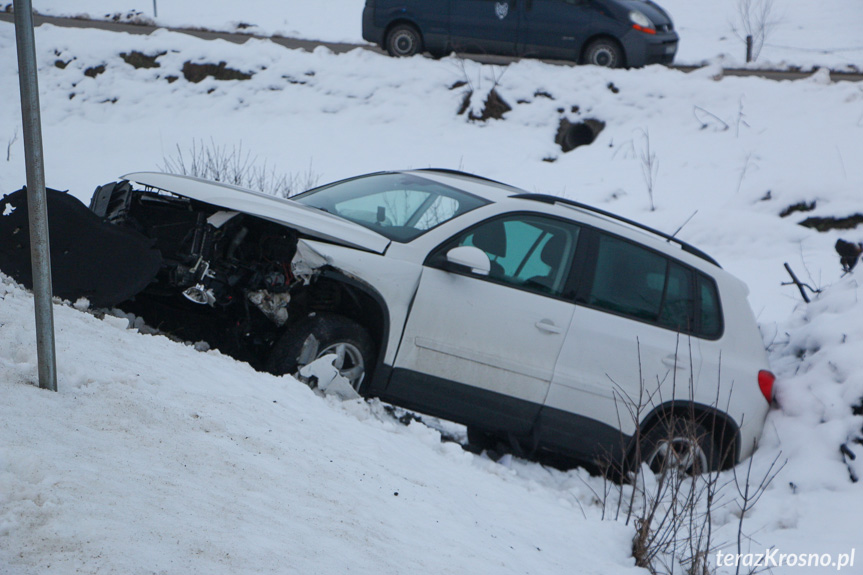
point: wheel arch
(724, 430)
(366, 306)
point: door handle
(548, 326)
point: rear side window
(629, 280)
(679, 300)
(633, 281)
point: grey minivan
(612, 33)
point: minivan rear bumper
(643, 49)
(371, 33)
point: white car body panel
(293, 214)
(483, 334)
(602, 359)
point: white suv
(549, 324)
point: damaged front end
(193, 270)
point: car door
(627, 350)
(556, 28)
(481, 349)
(485, 26)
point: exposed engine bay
(192, 270)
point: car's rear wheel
(604, 52)
(680, 445)
(333, 334)
(403, 40)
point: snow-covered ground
(798, 33)
(156, 458)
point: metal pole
(155, 10)
(39, 253)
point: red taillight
(765, 382)
(644, 29)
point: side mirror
(469, 258)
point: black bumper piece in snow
(90, 258)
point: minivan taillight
(765, 382)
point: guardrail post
(40, 255)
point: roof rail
(549, 199)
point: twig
(799, 284)
(12, 140)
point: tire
(604, 52)
(403, 40)
(680, 445)
(335, 334)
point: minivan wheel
(604, 52)
(335, 334)
(681, 446)
(403, 41)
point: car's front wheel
(604, 52)
(403, 40)
(332, 334)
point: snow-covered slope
(155, 457)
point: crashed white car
(531, 319)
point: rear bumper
(644, 49)
(371, 33)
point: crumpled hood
(287, 212)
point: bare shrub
(493, 105)
(649, 166)
(237, 167)
(755, 21)
(672, 481)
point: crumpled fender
(90, 258)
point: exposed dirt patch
(798, 207)
(827, 224)
(197, 72)
(494, 107)
(572, 135)
(94, 71)
(140, 60)
(131, 17)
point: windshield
(399, 206)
